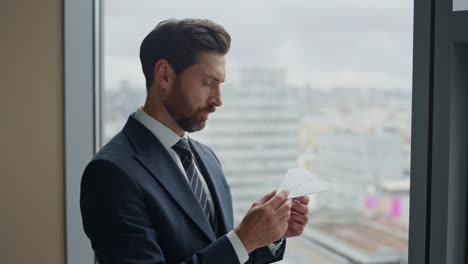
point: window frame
(438, 203)
(82, 108)
(436, 31)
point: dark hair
(179, 42)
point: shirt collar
(165, 135)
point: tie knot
(182, 148)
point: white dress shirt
(169, 138)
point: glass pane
(324, 85)
(460, 5)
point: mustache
(209, 108)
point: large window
(324, 85)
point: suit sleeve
(264, 255)
(116, 221)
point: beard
(186, 117)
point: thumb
(266, 198)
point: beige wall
(32, 178)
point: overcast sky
(328, 43)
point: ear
(164, 74)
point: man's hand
(299, 217)
(266, 221)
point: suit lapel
(212, 175)
(154, 157)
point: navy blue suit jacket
(137, 206)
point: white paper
(300, 182)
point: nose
(215, 98)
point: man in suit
(154, 195)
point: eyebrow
(212, 77)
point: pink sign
(395, 207)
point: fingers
(303, 199)
(278, 199)
(295, 228)
(299, 218)
(296, 224)
(299, 207)
(284, 209)
(265, 198)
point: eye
(208, 83)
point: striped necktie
(183, 149)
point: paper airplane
(299, 182)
